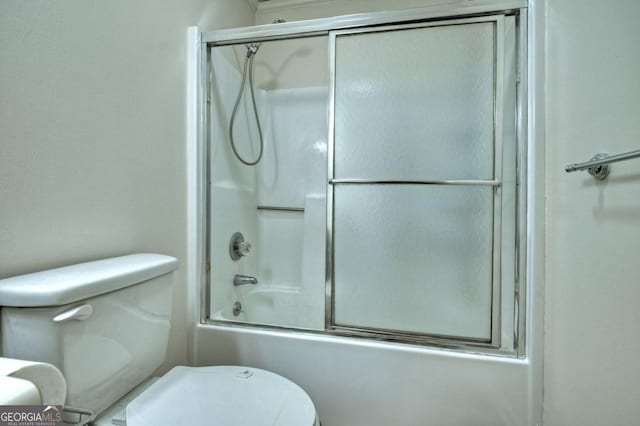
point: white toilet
(105, 325)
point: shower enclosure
(386, 197)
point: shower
(389, 206)
(252, 49)
(337, 206)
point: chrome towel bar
(598, 165)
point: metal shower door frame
(437, 15)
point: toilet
(105, 325)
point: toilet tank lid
(72, 283)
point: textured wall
(92, 139)
(592, 318)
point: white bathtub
(281, 305)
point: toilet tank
(104, 324)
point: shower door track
(324, 27)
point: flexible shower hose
(248, 64)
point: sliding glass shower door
(422, 179)
(389, 202)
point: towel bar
(598, 165)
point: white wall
(92, 139)
(293, 173)
(592, 318)
(278, 64)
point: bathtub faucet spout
(244, 279)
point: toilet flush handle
(79, 313)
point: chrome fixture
(237, 308)
(244, 279)
(282, 209)
(238, 247)
(494, 182)
(598, 165)
(252, 49)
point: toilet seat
(222, 396)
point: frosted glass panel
(414, 258)
(415, 104)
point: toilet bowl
(105, 326)
(222, 396)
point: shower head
(252, 49)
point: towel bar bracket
(601, 171)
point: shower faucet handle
(238, 247)
(243, 248)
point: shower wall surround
(278, 205)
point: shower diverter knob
(238, 247)
(244, 248)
